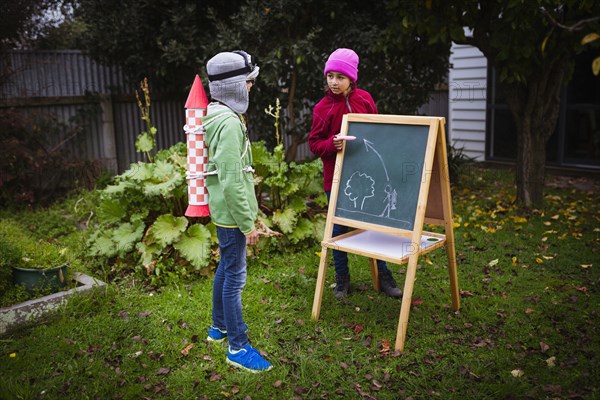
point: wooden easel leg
(452, 271)
(374, 273)
(409, 284)
(320, 284)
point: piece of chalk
(346, 137)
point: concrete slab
(18, 314)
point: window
(576, 140)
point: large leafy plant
(141, 222)
(140, 217)
(289, 194)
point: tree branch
(573, 28)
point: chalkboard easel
(388, 182)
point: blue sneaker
(218, 335)
(248, 359)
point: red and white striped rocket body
(197, 152)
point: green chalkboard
(381, 173)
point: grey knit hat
(227, 76)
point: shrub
(36, 168)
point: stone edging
(18, 314)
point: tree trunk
(535, 106)
(531, 161)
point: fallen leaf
(553, 389)
(493, 262)
(551, 362)
(163, 371)
(299, 390)
(529, 311)
(416, 301)
(544, 347)
(278, 383)
(517, 373)
(586, 266)
(186, 350)
(385, 347)
(376, 384)
(215, 377)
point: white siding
(467, 87)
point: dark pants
(340, 258)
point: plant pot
(35, 279)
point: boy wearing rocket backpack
(232, 202)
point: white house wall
(467, 91)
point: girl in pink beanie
(342, 97)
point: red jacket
(327, 122)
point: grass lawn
(527, 329)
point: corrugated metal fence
(69, 87)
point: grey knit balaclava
(227, 76)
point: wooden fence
(66, 85)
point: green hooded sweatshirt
(231, 196)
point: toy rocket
(197, 152)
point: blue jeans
(230, 279)
(340, 258)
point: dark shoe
(342, 286)
(387, 284)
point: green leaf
(101, 244)
(139, 172)
(194, 245)
(303, 230)
(144, 143)
(111, 211)
(168, 228)
(116, 190)
(127, 235)
(286, 219)
(148, 252)
(165, 179)
(298, 204)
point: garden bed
(19, 314)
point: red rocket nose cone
(197, 97)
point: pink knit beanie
(344, 61)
